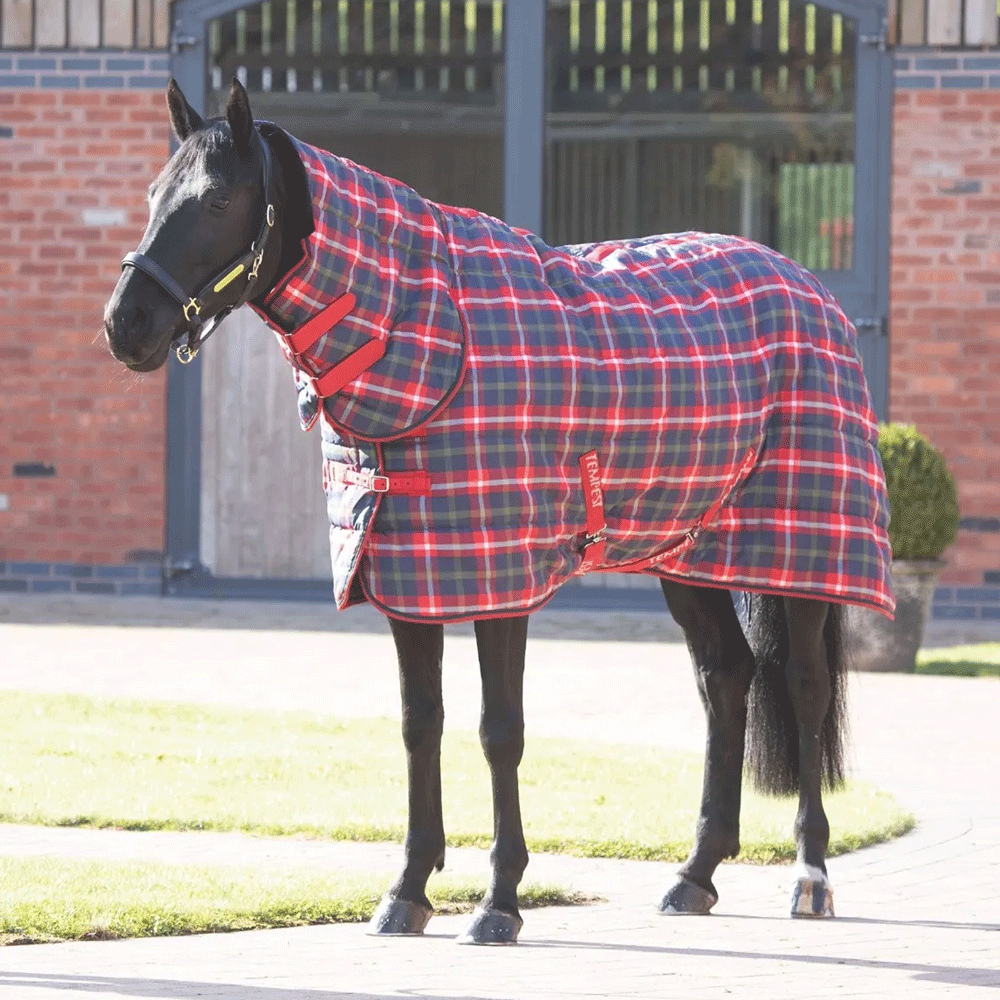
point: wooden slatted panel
(50, 24)
(161, 23)
(85, 23)
(119, 24)
(980, 22)
(263, 510)
(944, 22)
(18, 23)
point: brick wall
(82, 442)
(945, 297)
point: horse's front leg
(405, 908)
(501, 643)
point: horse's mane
(298, 221)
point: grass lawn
(55, 900)
(78, 761)
(979, 660)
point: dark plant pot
(877, 644)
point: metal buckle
(186, 353)
(269, 215)
(380, 484)
(194, 304)
(597, 536)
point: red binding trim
(322, 323)
(594, 541)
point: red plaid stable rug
(499, 415)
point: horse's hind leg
(405, 908)
(809, 687)
(501, 643)
(724, 667)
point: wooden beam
(161, 24)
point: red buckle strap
(355, 364)
(323, 322)
(402, 483)
(594, 541)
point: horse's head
(208, 215)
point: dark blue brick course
(991, 614)
(17, 79)
(981, 62)
(935, 62)
(942, 594)
(13, 586)
(116, 572)
(93, 587)
(72, 569)
(901, 62)
(51, 586)
(977, 595)
(61, 81)
(141, 589)
(148, 82)
(957, 612)
(6, 63)
(75, 62)
(159, 65)
(152, 571)
(963, 82)
(36, 62)
(913, 82)
(119, 64)
(29, 568)
(104, 82)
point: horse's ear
(239, 117)
(183, 117)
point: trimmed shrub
(922, 499)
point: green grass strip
(67, 760)
(981, 659)
(59, 900)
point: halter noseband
(215, 297)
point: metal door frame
(524, 137)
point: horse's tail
(772, 753)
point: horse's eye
(220, 203)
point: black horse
(772, 693)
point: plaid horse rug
(499, 415)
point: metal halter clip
(192, 304)
(185, 353)
(269, 215)
(252, 276)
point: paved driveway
(919, 917)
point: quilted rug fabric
(689, 405)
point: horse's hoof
(491, 927)
(812, 896)
(687, 897)
(395, 917)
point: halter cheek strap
(216, 297)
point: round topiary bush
(922, 501)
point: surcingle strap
(594, 541)
(405, 483)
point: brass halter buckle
(186, 353)
(192, 304)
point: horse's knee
(501, 735)
(422, 727)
